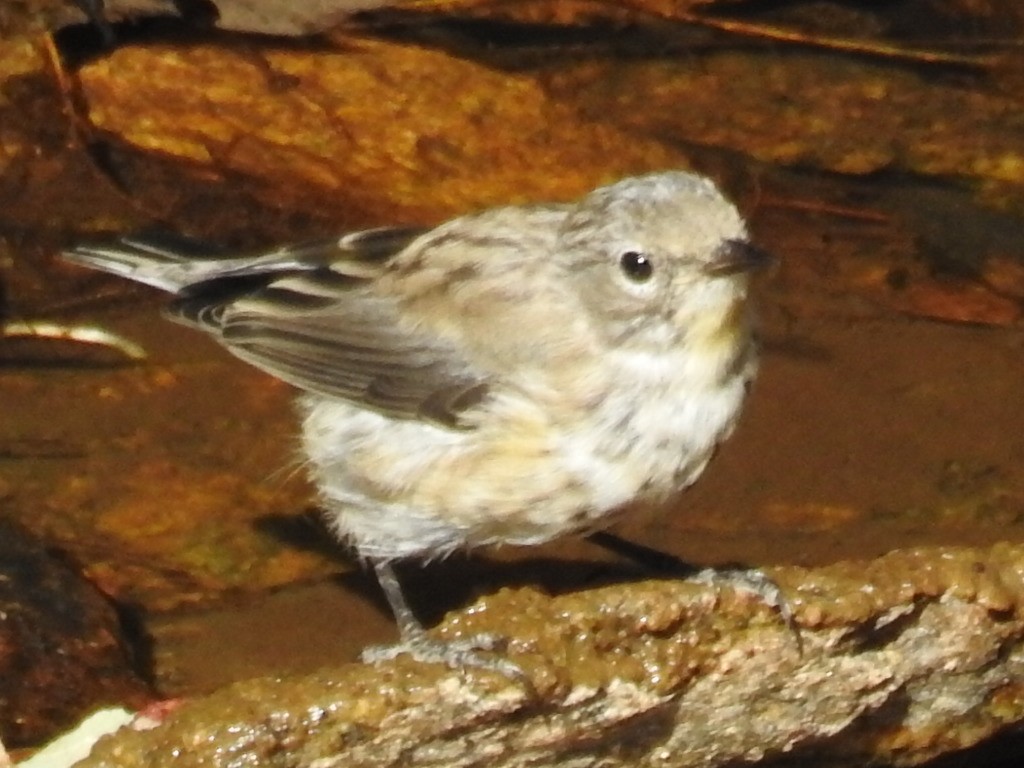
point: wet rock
(893, 661)
(357, 131)
(62, 651)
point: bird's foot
(484, 651)
(753, 581)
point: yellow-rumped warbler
(509, 376)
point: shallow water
(887, 412)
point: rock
(892, 661)
(62, 645)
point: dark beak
(735, 256)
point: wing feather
(323, 315)
(338, 338)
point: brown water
(887, 412)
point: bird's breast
(656, 423)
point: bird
(510, 376)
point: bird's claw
(482, 651)
(756, 582)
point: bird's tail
(172, 262)
(165, 262)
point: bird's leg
(415, 642)
(409, 627)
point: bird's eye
(636, 266)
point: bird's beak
(735, 256)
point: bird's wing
(307, 314)
(317, 323)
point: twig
(841, 44)
(81, 334)
(828, 209)
(777, 34)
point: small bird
(508, 377)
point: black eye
(637, 266)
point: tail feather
(162, 262)
(173, 263)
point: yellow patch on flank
(715, 330)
